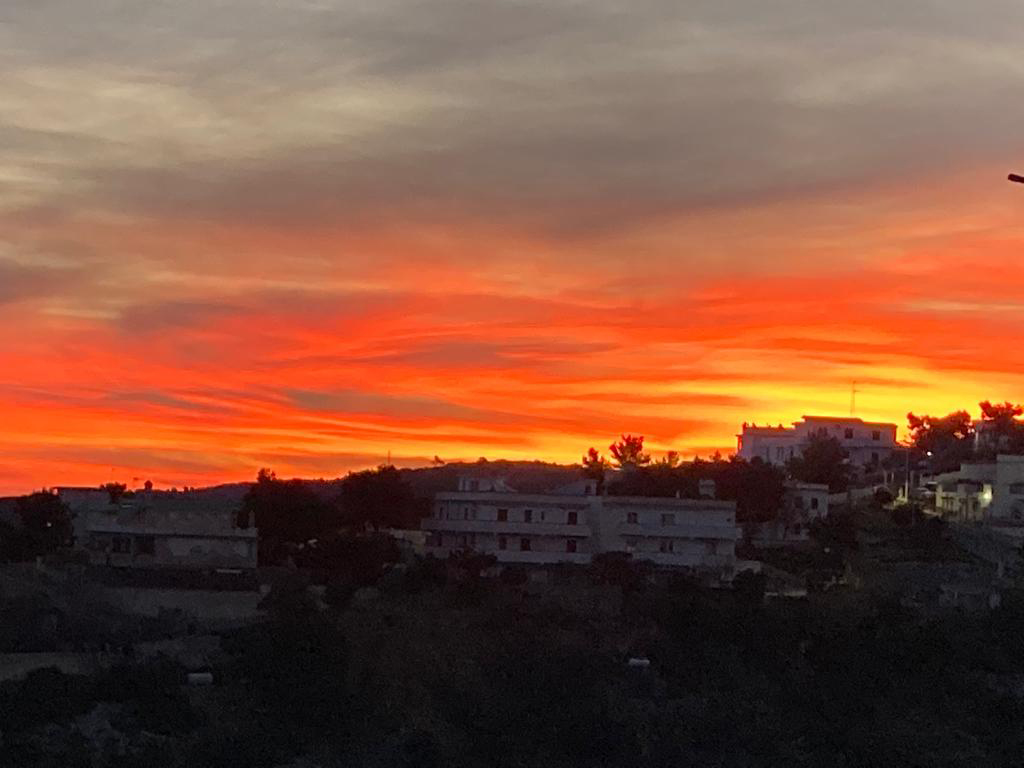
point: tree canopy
(46, 526)
(823, 460)
(379, 498)
(628, 451)
(286, 512)
(947, 441)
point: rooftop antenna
(853, 398)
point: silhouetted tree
(756, 486)
(351, 562)
(46, 521)
(1005, 433)
(658, 479)
(286, 511)
(379, 498)
(628, 451)
(115, 490)
(949, 439)
(1003, 413)
(594, 467)
(670, 460)
(823, 460)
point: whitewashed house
(867, 443)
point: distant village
(708, 517)
(742, 606)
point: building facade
(804, 502)
(978, 492)
(573, 525)
(867, 443)
(160, 529)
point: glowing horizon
(303, 236)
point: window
(121, 545)
(571, 518)
(631, 518)
(814, 503)
(570, 545)
(502, 515)
(474, 485)
(874, 457)
(876, 435)
(667, 545)
(848, 433)
(145, 545)
(465, 513)
(798, 502)
(668, 519)
(524, 545)
(527, 515)
(1017, 488)
(434, 540)
(631, 543)
(502, 542)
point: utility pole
(906, 483)
(1016, 178)
(853, 398)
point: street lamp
(906, 480)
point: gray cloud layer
(563, 114)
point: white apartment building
(991, 491)
(867, 443)
(574, 524)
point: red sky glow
(306, 236)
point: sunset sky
(304, 233)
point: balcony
(729, 532)
(531, 557)
(493, 527)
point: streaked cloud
(307, 232)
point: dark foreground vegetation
(437, 665)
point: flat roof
(848, 420)
(547, 498)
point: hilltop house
(867, 443)
(990, 491)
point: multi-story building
(573, 524)
(160, 529)
(983, 491)
(867, 443)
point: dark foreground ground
(435, 667)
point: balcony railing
(506, 528)
(729, 532)
(530, 557)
